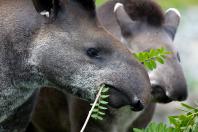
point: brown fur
(144, 10)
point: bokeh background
(186, 42)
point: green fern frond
(101, 105)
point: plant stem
(92, 108)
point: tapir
(143, 26)
(60, 44)
(152, 17)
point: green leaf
(100, 118)
(102, 107)
(94, 116)
(104, 96)
(101, 113)
(137, 130)
(147, 65)
(153, 63)
(187, 106)
(105, 89)
(152, 53)
(173, 121)
(95, 110)
(103, 102)
(160, 60)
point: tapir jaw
(119, 98)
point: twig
(92, 108)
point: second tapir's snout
(141, 33)
(169, 86)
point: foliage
(100, 2)
(150, 58)
(187, 122)
(177, 3)
(101, 105)
(155, 127)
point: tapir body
(59, 44)
(149, 32)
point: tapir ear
(46, 7)
(88, 5)
(172, 19)
(123, 19)
(51, 7)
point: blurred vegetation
(185, 122)
(181, 4)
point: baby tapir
(59, 44)
(142, 25)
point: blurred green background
(181, 4)
(186, 42)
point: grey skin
(167, 80)
(68, 51)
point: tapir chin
(60, 44)
(141, 26)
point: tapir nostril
(136, 104)
(159, 94)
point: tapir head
(143, 27)
(72, 51)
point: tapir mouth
(119, 98)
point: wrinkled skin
(69, 53)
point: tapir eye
(93, 52)
(178, 57)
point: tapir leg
(18, 121)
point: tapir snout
(125, 88)
(171, 85)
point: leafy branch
(150, 58)
(98, 106)
(101, 105)
(187, 122)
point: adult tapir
(141, 26)
(65, 49)
(151, 28)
